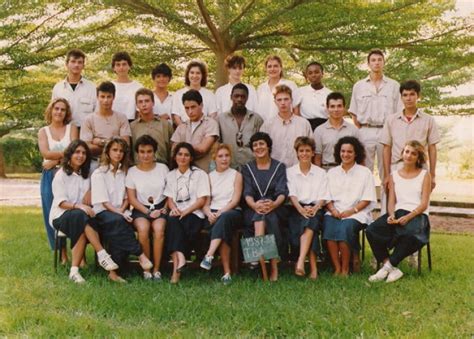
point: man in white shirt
(310, 100)
(285, 127)
(161, 76)
(373, 100)
(125, 87)
(235, 65)
(78, 91)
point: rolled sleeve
(59, 189)
(87, 133)
(386, 136)
(433, 133)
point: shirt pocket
(86, 105)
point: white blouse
(185, 188)
(408, 191)
(347, 189)
(308, 188)
(70, 188)
(148, 183)
(107, 186)
(222, 188)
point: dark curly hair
(261, 136)
(176, 149)
(69, 151)
(358, 149)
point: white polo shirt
(312, 102)
(208, 103)
(347, 189)
(107, 186)
(224, 103)
(266, 102)
(83, 99)
(70, 188)
(185, 188)
(148, 183)
(124, 101)
(308, 188)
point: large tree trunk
(2, 164)
(221, 71)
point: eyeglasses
(182, 188)
(238, 139)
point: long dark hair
(176, 149)
(69, 151)
(358, 149)
(105, 157)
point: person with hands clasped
(308, 193)
(406, 227)
(352, 191)
(187, 188)
(145, 184)
(71, 211)
(110, 204)
(222, 209)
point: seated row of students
(174, 206)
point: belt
(331, 164)
(371, 126)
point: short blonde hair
(304, 141)
(219, 147)
(420, 162)
(282, 89)
(48, 113)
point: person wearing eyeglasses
(145, 184)
(187, 188)
(222, 209)
(238, 125)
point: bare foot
(113, 276)
(313, 275)
(175, 277)
(64, 258)
(356, 264)
(299, 269)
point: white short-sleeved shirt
(107, 186)
(312, 102)
(372, 106)
(124, 101)
(208, 103)
(148, 183)
(308, 188)
(70, 188)
(164, 107)
(185, 188)
(266, 102)
(224, 103)
(222, 188)
(82, 99)
(347, 189)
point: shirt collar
(142, 121)
(66, 82)
(286, 122)
(402, 116)
(312, 170)
(384, 78)
(186, 174)
(329, 126)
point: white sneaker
(107, 263)
(413, 260)
(77, 278)
(147, 276)
(145, 263)
(394, 275)
(380, 275)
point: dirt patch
(452, 224)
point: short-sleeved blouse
(107, 186)
(148, 183)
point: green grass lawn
(34, 301)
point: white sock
(101, 254)
(388, 266)
(74, 270)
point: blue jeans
(46, 201)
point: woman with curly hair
(71, 211)
(352, 191)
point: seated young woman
(145, 184)
(187, 188)
(406, 227)
(71, 211)
(352, 191)
(222, 209)
(308, 193)
(265, 191)
(110, 205)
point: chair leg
(419, 260)
(56, 247)
(234, 253)
(363, 244)
(428, 252)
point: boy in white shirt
(125, 88)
